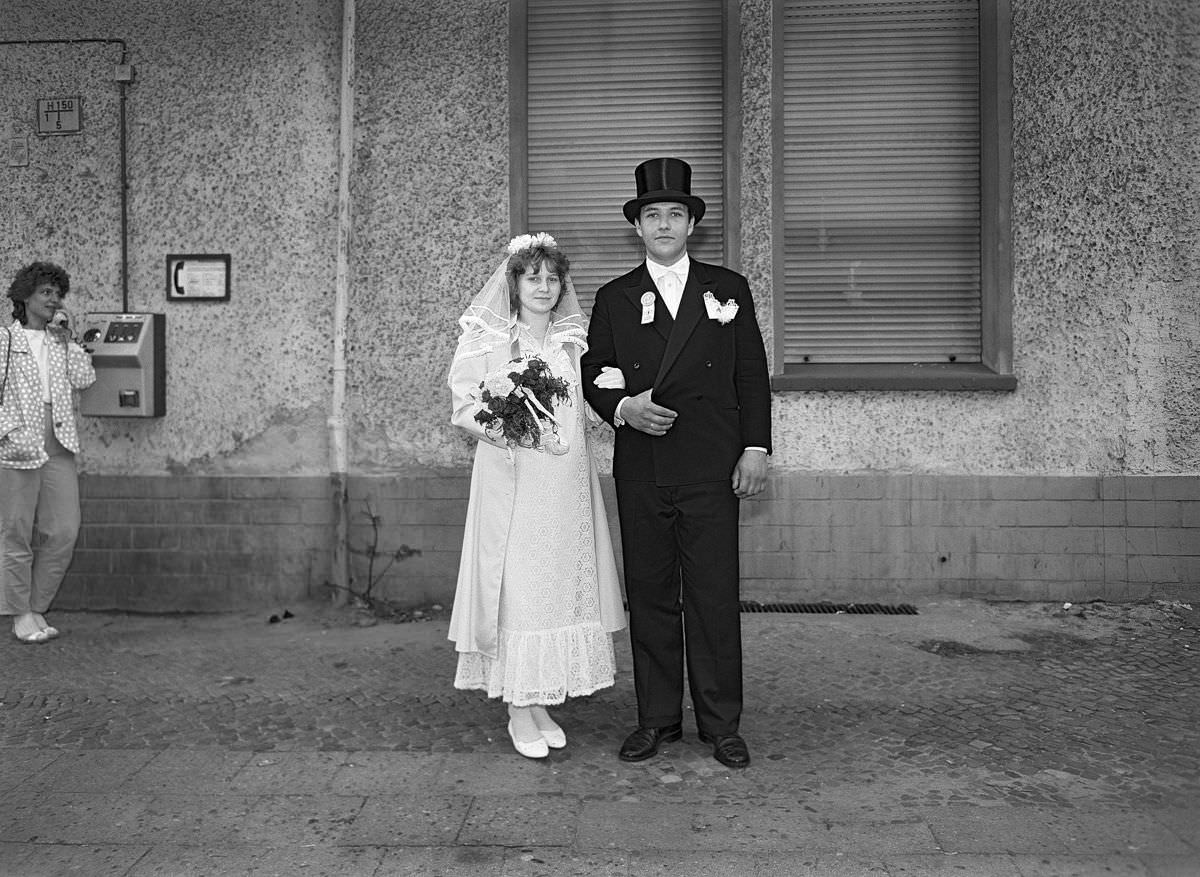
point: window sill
(892, 376)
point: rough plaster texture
(233, 148)
(431, 216)
(1106, 214)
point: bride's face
(538, 291)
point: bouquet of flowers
(518, 405)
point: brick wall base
(198, 544)
(210, 544)
(883, 537)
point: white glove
(610, 378)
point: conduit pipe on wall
(339, 456)
(122, 84)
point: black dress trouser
(680, 551)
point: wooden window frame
(995, 370)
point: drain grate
(829, 608)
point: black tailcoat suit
(678, 513)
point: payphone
(129, 355)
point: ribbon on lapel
(662, 317)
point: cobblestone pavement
(972, 738)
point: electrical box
(129, 355)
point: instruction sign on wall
(59, 115)
(198, 277)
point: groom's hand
(647, 416)
(750, 474)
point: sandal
(38, 636)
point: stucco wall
(1106, 197)
(233, 148)
(431, 216)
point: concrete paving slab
(802, 864)
(70, 817)
(1184, 822)
(1032, 830)
(521, 820)
(317, 820)
(224, 861)
(899, 837)
(185, 818)
(392, 820)
(200, 771)
(499, 771)
(307, 861)
(1170, 866)
(1079, 866)
(290, 772)
(175, 860)
(993, 829)
(19, 765)
(773, 825)
(92, 770)
(720, 863)
(60, 860)
(387, 773)
(953, 865)
(1120, 832)
(443, 861)
(563, 862)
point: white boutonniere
(722, 313)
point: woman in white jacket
(39, 438)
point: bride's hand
(555, 445)
(610, 378)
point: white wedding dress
(551, 642)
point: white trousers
(39, 522)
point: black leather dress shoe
(729, 749)
(643, 742)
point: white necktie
(672, 291)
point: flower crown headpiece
(529, 241)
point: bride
(537, 598)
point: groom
(675, 363)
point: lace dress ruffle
(551, 642)
(542, 667)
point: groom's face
(664, 228)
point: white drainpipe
(339, 456)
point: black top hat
(663, 179)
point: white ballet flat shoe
(536, 749)
(555, 737)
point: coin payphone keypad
(128, 353)
(123, 333)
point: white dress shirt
(670, 280)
